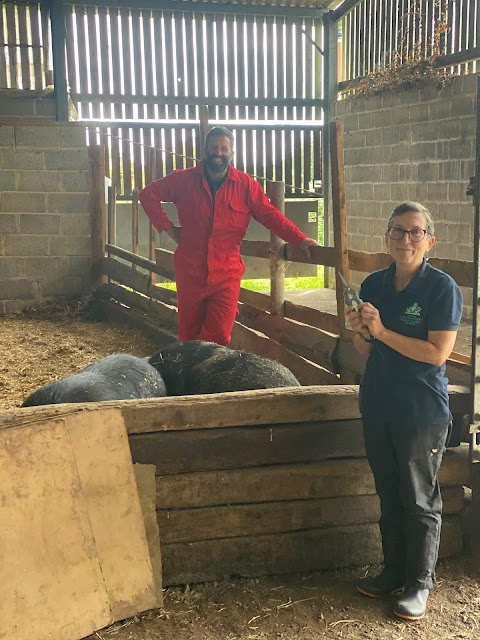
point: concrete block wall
(44, 214)
(415, 144)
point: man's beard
(217, 167)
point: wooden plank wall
(23, 45)
(245, 489)
(377, 32)
(236, 81)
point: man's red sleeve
(153, 195)
(265, 213)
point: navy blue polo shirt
(395, 388)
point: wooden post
(475, 355)
(151, 229)
(330, 94)
(135, 224)
(277, 265)
(204, 125)
(339, 217)
(96, 181)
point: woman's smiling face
(404, 251)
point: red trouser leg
(192, 305)
(221, 309)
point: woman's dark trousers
(405, 459)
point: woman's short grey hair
(407, 207)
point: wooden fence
(314, 344)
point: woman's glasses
(415, 235)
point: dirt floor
(322, 605)
(47, 345)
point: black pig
(117, 377)
(195, 366)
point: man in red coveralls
(215, 202)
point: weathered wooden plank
(310, 343)
(329, 478)
(164, 259)
(210, 523)
(305, 371)
(115, 312)
(257, 518)
(124, 274)
(207, 449)
(293, 552)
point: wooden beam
(310, 343)
(305, 371)
(325, 479)
(145, 263)
(164, 259)
(107, 98)
(344, 8)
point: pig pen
(264, 482)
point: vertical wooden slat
(290, 67)
(250, 63)
(82, 68)
(189, 147)
(46, 39)
(137, 159)
(269, 154)
(115, 146)
(298, 154)
(250, 144)
(104, 22)
(12, 49)
(116, 68)
(126, 161)
(230, 53)
(280, 52)
(24, 51)
(222, 69)
(279, 175)
(288, 158)
(135, 224)
(307, 159)
(276, 193)
(259, 149)
(36, 50)
(73, 78)
(158, 37)
(152, 161)
(169, 161)
(140, 89)
(3, 53)
(240, 53)
(170, 82)
(200, 55)
(180, 76)
(189, 65)
(112, 215)
(94, 58)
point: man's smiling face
(218, 154)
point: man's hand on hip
(174, 233)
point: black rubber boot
(381, 586)
(412, 604)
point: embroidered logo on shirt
(412, 314)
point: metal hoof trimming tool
(350, 296)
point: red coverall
(208, 265)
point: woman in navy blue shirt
(406, 326)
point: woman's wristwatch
(372, 339)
